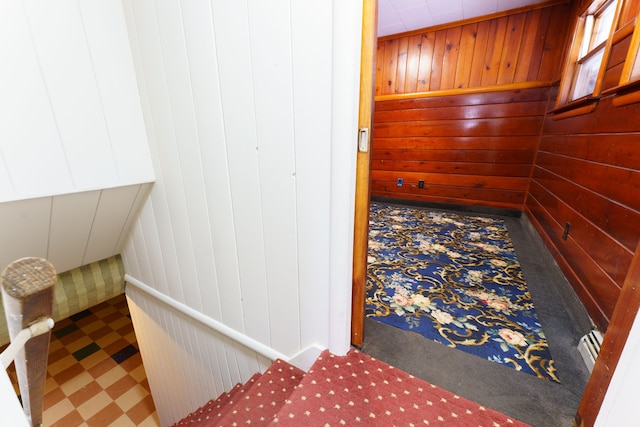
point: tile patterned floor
(95, 375)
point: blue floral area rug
(454, 279)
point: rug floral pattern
(454, 279)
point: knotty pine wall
(514, 48)
(587, 174)
(469, 148)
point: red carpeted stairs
(348, 390)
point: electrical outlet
(399, 184)
(421, 183)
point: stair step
(262, 401)
(257, 401)
(214, 408)
(357, 388)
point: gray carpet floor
(535, 401)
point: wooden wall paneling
(550, 231)
(494, 52)
(539, 45)
(439, 48)
(426, 166)
(507, 199)
(459, 146)
(618, 184)
(479, 52)
(380, 55)
(527, 46)
(469, 112)
(455, 154)
(390, 66)
(270, 35)
(629, 12)
(618, 221)
(413, 64)
(616, 63)
(598, 148)
(498, 97)
(450, 58)
(401, 64)
(553, 53)
(427, 42)
(609, 254)
(480, 127)
(587, 173)
(511, 48)
(465, 57)
(498, 148)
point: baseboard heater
(589, 347)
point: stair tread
(214, 408)
(260, 403)
(357, 388)
(257, 401)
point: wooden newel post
(27, 293)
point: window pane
(635, 71)
(587, 75)
(603, 25)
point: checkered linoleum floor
(95, 375)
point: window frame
(628, 90)
(585, 102)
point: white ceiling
(398, 16)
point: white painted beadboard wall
(70, 117)
(251, 115)
(75, 165)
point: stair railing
(27, 296)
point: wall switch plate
(421, 183)
(399, 184)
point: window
(628, 90)
(631, 71)
(583, 71)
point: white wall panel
(70, 226)
(312, 58)
(33, 155)
(235, 73)
(109, 222)
(24, 227)
(108, 45)
(180, 388)
(58, 34)
(239, 101)
(69, 100)
(270, 37)
(201, 52)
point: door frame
(363, 166)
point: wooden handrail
(27, 295)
